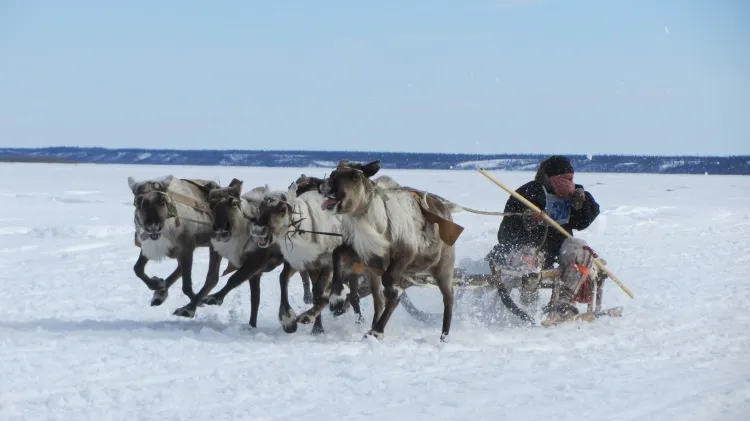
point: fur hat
(552, 166)
(556, 165)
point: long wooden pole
(555, 225)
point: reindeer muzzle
(261, 236)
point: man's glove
(531, 219)
(578, 198)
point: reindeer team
(335, 232)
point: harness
(448, 230)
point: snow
(78, 339)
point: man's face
(562, 184)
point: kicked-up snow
(79, 341)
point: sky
(495, 76)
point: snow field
(78, 339)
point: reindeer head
(348, 188)
(226, 208)
(152, 206)
(274, 216)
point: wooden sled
(545, 279)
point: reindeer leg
(391, 292)
(253, 263)
(185, 261)
(354, 297)
(308, 296)
(320, 285)
(443, 274)
(378, 299)
(254, 299)
(237, 278)
(212, 278)
(154, 283)
(339, 290)
(160, 295)
(287, 316)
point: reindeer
(353, 289)
(234, 214)
(306, 236)
(355, 270)
(172, 219)
(395, 232)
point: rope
(479, 212)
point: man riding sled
(526, 240)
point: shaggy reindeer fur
(386, 229)
(233, 220)
(353, 288)
(168, 228)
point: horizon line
(368, 152)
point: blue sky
(502, 76)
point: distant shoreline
(641, 164)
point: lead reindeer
(172, 219)
(234, 214)
(395, 232)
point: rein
(296, 225)
(298, 230)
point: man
(573, 208)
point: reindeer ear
(132, 184)
(167, 180)
(235, 188)
(371, 169)
(291, 194)
(344, 163)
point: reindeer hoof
(360, 319)
(185, 312)
(338, 311)
(337, 303)
(212, 300)
(288, 320)
(317, 330)
(159, 297)
(305, 319)
(157, 284)
(374, 334)
(444, 338)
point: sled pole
(554, 225)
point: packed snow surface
(79, 340)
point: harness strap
(203, 185)
(200, 206)
(449, 231)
